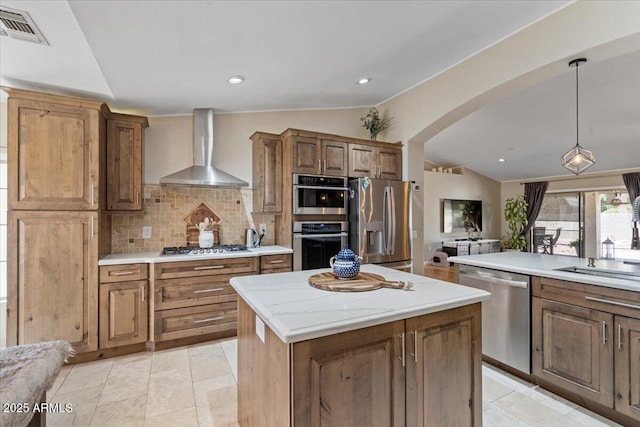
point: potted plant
(576, 245)
(515, 213)
(374, 123)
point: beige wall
(596, 29)
(168, 140)
(470, 185)
(3, 124)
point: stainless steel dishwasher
(506, 316)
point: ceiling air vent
(19, 25)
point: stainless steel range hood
(202, 173)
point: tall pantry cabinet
(57, 186)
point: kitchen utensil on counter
(252, 238)
(362, 282)
(205, 238)
(345, 265)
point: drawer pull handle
(210, 267)
(621, 304)
(122, 273)
(277, 261)
(402, 357)
(209, 320)
(208, 290)
(604, 332)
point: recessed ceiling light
(501, 160)
(364, 80)
(234, 80)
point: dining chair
(549, 242)
(538, 236)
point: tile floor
(196, 386)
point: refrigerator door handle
(392, 225)
(385, 220)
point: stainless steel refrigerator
(379, 221)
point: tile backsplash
(165, 208)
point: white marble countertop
(154, 257)
(296, 311)
(544, 265)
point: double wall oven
(320, 228)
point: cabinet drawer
(175, 270)
(193, 321)
(610, 300)
(123, 273)
(193, 291)
(463, 250)
(269, 262)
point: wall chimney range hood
(202, 173)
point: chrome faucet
(592, 262)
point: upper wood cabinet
(319, 156)
(375, 162)
(125, 140)
(53, 278)
(267, 173)
(55, 147)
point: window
(582, 221)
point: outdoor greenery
(515, 213)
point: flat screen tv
(461, 215)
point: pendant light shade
(577, 160)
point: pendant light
(577, 160)
(616, 201)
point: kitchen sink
(600, 272)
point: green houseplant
(374, 123)
(515, 213)
(576, 245)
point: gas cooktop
(196, 250)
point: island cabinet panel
(573, 348)
(366, 377)
(349, 379)
(627, 363)
(54, 154)
(264, 386)
(444, 370)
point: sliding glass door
(559, 228)
(579, 224)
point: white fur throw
(26, 372)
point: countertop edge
(607, 282)
(155, 257)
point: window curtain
(534, 195)
(632, 182)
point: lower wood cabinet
(53, 278)
(586, 340)
(194, 298)
(422, 371)
(280, 263)
(123, 312)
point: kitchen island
(379, 358)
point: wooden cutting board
(362, 282)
